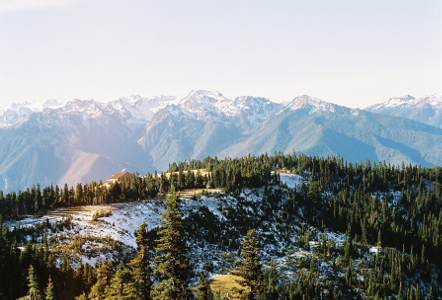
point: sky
(352, 53)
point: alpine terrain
(427, 110)
(85, 140)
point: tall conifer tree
(140, 285)
(171, 259)
(34, 290)
(117, 289)
(204, 292)
(250, 269)
(50, 290)
(104, 276)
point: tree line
(396, 207)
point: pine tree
(249, 268)
(104, 274)
(117, 288)
(34, 290)
(171, 259)
(82, 297)
(50, 290)
(140, 285)
(313, 191)
(141, 239)
(271, 281)
(204, 292)
(379, 243)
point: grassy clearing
(225, 284)
(192, 192)
(87, 209)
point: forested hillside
(291, 226)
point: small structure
(117, 177)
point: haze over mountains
(81, 141)
(427, 110)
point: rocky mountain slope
(87, 140)
(315, 127)
(427, 110)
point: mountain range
(85, 140)
(427, 110)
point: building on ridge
(117, 177)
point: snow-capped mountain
(202, 123)
(314, 106)
(134, 111)
(206, 105)
(396, 102)
(84, 140)
(203, 104)
(426, 110)
(256, 110)
(17, 112)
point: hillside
(427, 109)
(326, 228)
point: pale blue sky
(353, 53)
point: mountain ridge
(427, 109)
(86, 139)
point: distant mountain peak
(427, 109)
(404, 101)
(202, 104)
(211, 94)
(52, 103)
(16, 113)
(200, 96)
(408, 101)
(313, 105)
(433, 100)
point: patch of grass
(193, 192)
(101, 213)
(225, 284)
(63, 212)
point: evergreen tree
(171, 259)
(204, 292)
(117, 287)
(140, 285)
(249, 268)
(50, 290)
(104, 274)
(34, 290)
(379, 243)
(271, 281)
(83, 296)
(141, 239)
(313, 191)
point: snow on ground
(292, 180)
(394, 197)
(374, 250)
(28, 221)
(125, 219)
